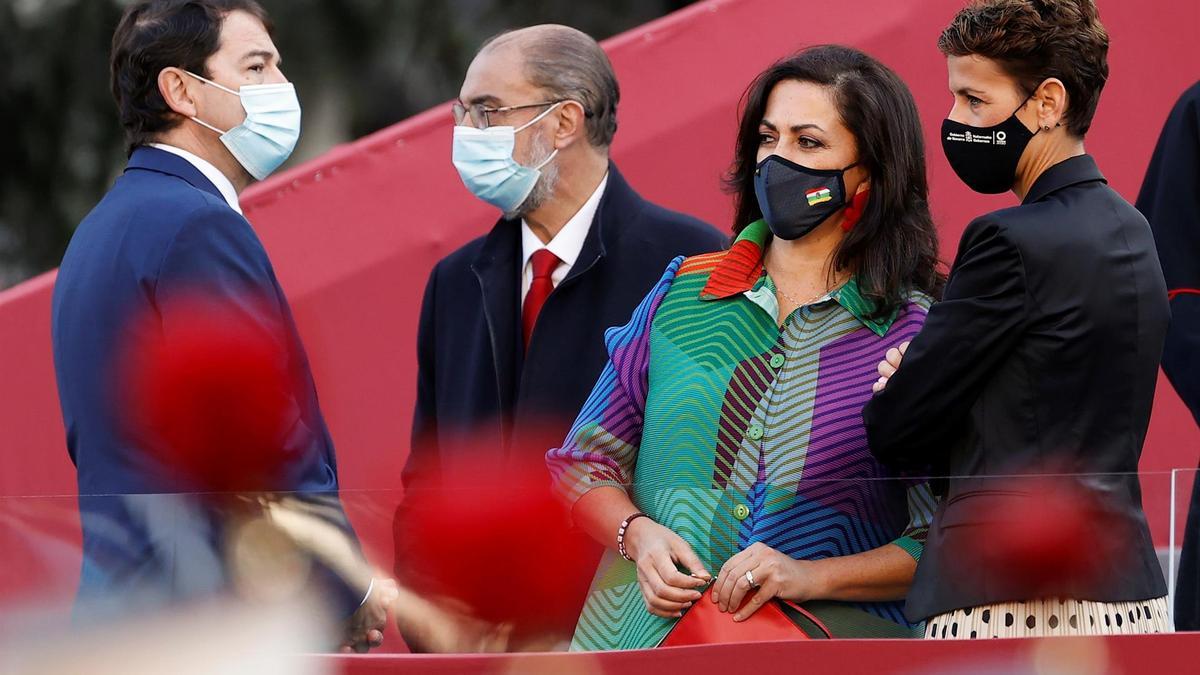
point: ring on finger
(750, 579)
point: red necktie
(544, 264)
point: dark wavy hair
(894, 246)
(157, 34)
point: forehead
(498, 75)
(242, 32)
(976, 72)
(793, 102)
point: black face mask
(795, 199)
(986, 158)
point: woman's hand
(657, 551)
(888, 366)
(775, 575)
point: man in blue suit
(206, 110)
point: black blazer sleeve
(910, 423)
(1181, 352)
(1170, 200)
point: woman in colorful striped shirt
(725, 434)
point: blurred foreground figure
(1170, 200)
(226, 638)
(179, 367)
(496, 563)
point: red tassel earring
(854, 211)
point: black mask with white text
(986, 158)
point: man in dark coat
(511, 331)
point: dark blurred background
(359, 66)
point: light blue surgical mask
(269, 133)
(484, 159)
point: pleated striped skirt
(1043, 618)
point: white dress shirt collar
(568, 243)
(214, 175)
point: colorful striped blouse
(730, 430)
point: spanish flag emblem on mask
(818, 196)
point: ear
(1050, 101)
(859, 171)
(863, 186)
(572, 124)
(173, 85)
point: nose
(957, 112)
(786, 153)
(276, 76)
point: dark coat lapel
(496, 270)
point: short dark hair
(569, 64)
(893, 248)
(1033, 40)
(157, 34)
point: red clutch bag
(705, 624)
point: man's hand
(446, 626)
(888, 366)
(364, 629)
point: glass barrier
(501, 566)
(1183, 548)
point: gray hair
(569, 64)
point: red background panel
(354, 233)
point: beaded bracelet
(621, 534)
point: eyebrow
(795, 128)
(263, 54)
(968, 90)
(484, 99)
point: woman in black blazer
(1043, 356)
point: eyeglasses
(481, 114)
